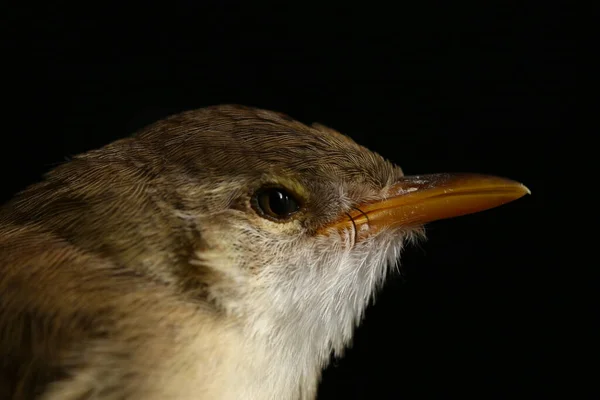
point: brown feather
(100, 272)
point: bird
(225, 252)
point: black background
(433, 87)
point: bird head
(288, 229)
(297, 225)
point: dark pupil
(278, 203)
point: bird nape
(221, 253)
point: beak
(416, 200)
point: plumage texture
(141, 270)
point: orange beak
(416, 200)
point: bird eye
(276, 203)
